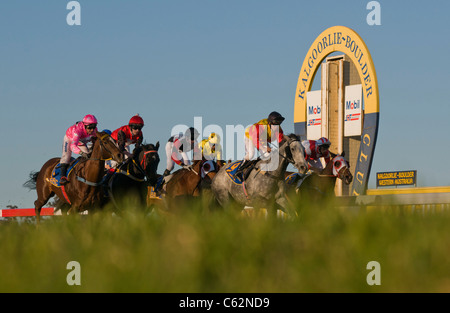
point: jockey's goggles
(91, 126)
(138, 127)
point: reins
(144, 159)
(84, 180)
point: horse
(319, 187)
(264, 186)
(82, 191)
(185, 184)
(134, 175)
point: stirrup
(63, 180)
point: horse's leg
(282, 202)
(44, 194)
(221, 189)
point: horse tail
(31, 183)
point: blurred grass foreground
(324, 250)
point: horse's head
(148, 158)
(341, 169)
(292, 149)
(106, 148)
(209, 169)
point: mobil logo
(353, 105)
(313, 110)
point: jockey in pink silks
(75, 140)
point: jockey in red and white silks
(178, 145)
(316, 149)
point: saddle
(56, 172)
(296, 179)
(239, 172)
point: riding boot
(63, 180)
(240, 170)
(105, 180)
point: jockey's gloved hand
(84, 154)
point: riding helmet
(89, 119)
(275, 118)
(136, 120)
(323, 142)
(191, 133)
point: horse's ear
(157, 145)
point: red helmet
(136, 120)
(89, 119)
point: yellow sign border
(345, 40)
(337, 39)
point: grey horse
(264, 187)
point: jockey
(178, 145)
(211, 148)
(76, 139)
(316, 149)
(259, 135)
(129, 134)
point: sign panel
(353, 111)
(403, 178)
(314, 114)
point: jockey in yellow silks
(211, 148)
(260, 134)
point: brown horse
(318, 187)
(83, 190)
(185, 184)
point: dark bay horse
(264, 187)
(83, 190)
(185, 184)
(319, 187)
(132, 177)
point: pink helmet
(323, 142)
(89, 119)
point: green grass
(323, 251)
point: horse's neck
(95, 164)
(328, 170)
(322, 183)
(196, 166)
(281, 167)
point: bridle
(102, 147)
(144, 159)
(289, 159)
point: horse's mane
(293, 136)
(146, 146)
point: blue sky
(230, 62)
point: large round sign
(346, 40)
